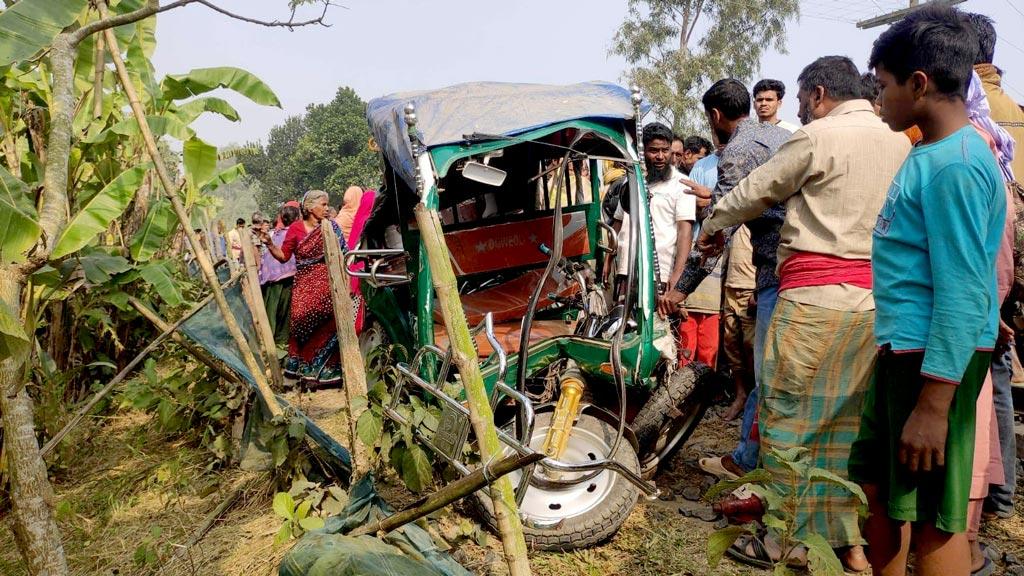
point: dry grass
(124, 478)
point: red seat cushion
(508, 301)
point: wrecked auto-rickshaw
(514, 171)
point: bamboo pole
(351, 358)
(102, 393)
(458, 489)
(199, 354)
(258, 308)
(179, 209)
(464, 355)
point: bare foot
(736, 408)
(854, 559)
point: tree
(676, 48)
(325, 149)
(43, 216)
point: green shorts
(940, 496)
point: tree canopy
(677, 48)
(327, 149)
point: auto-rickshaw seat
(516, 244)
(508, 301)
(511, 245)
(508, 335)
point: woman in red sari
(313, 343)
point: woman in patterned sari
(313, 341)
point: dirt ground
(128, 500)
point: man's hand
(711, 244)
(923, 441)
(703, 193)
(669, 304)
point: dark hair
(289, 214)
(768, 84)
(729, 96)
(936, 40)
(869, 87)
(240, 222)
(696, 144)
(986, 32)
(838, 75)
(656, 131)
(679, 138)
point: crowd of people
(293, 276)
(866, 268)
(861, 274)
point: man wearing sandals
(819, 357)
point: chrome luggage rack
(451, 436)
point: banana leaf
(200, 160)
(158, 275)
(106, 206)
(19, 228)
(192, 109)
(203, 80)
(160, 223)
(31, 25)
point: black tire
(672, 413)
(616, 497)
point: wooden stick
(258, 308)
(506, 513)
(207, 524)
(179, 209)
(351, 358)
(199, 354)
(97, 82)
(102, 393)
(457, 490)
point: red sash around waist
(805, 269)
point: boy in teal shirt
(933, 258)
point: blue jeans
(1000, 497)
(747, 451)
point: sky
(382, 46)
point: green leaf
(302, 511)
(284, 534)
(225, 177)
(297, 428)
(359, 403)
(203, 80)
(157, 275)
(31, 25)
(192, 109)
(417, 472)
(821, 475)
(821, 557)
(99, 265)
(311, 523)
(720, 541)
(200, 161)
(161, 222)
(369, 428)
(166, 125)
(755, 476)
(99, 212)
(14, 342)
(19, 229)
(284, 505)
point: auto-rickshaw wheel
(670, 416)
(568, 516)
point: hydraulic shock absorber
(571, 385)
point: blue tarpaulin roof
(447, 115)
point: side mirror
(483, 173)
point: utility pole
(891, 17)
